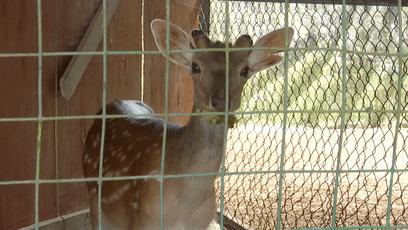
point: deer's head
(208, 68)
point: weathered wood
(64, 24)
(123, 83)
(19, 93)
(76, 221)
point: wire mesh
(346, 105)
(321, 140)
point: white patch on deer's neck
(132, 107)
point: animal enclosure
(324, 137)
(320, 141)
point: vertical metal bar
(397, 114)
(284, 123)
(104, 96)
(40, 116)
(166, 114)
(226, 114)
(343, 113)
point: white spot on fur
(95, 143)
(89, 161)
(155, 172)
(126, 169)
(117, 194)
(139, 139)
(96, 140)
(109, 174)
(123, 157)
(126, 134)
(147, 150)
(213, 226)
(114, 135)
(93, 190)
(113, 153)
(134, 204)
(130, 147)
(138, 155)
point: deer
(133, 144)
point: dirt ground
(307, 197)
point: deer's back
(132, 146)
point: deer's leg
(93, 211)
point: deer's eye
(244, 72)
(195, 68)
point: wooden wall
(180, 83)
(64, 23)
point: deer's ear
(179, 40)
(262, 59)
(201, 40)
(243, 41)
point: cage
(320, 141)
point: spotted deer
(133, 145)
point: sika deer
(133, 145)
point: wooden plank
(19, 159)
(77, 220)
(61, 32)
(92, 37)
(123, 83)
(180, 83)
(18, 84)
(64, 23)
(17, 206)
(19, 31)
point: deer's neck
(204, 149)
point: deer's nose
(216, 101)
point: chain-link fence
(321, 140)
(324, 145)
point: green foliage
(315, 88)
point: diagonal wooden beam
(89, 42)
